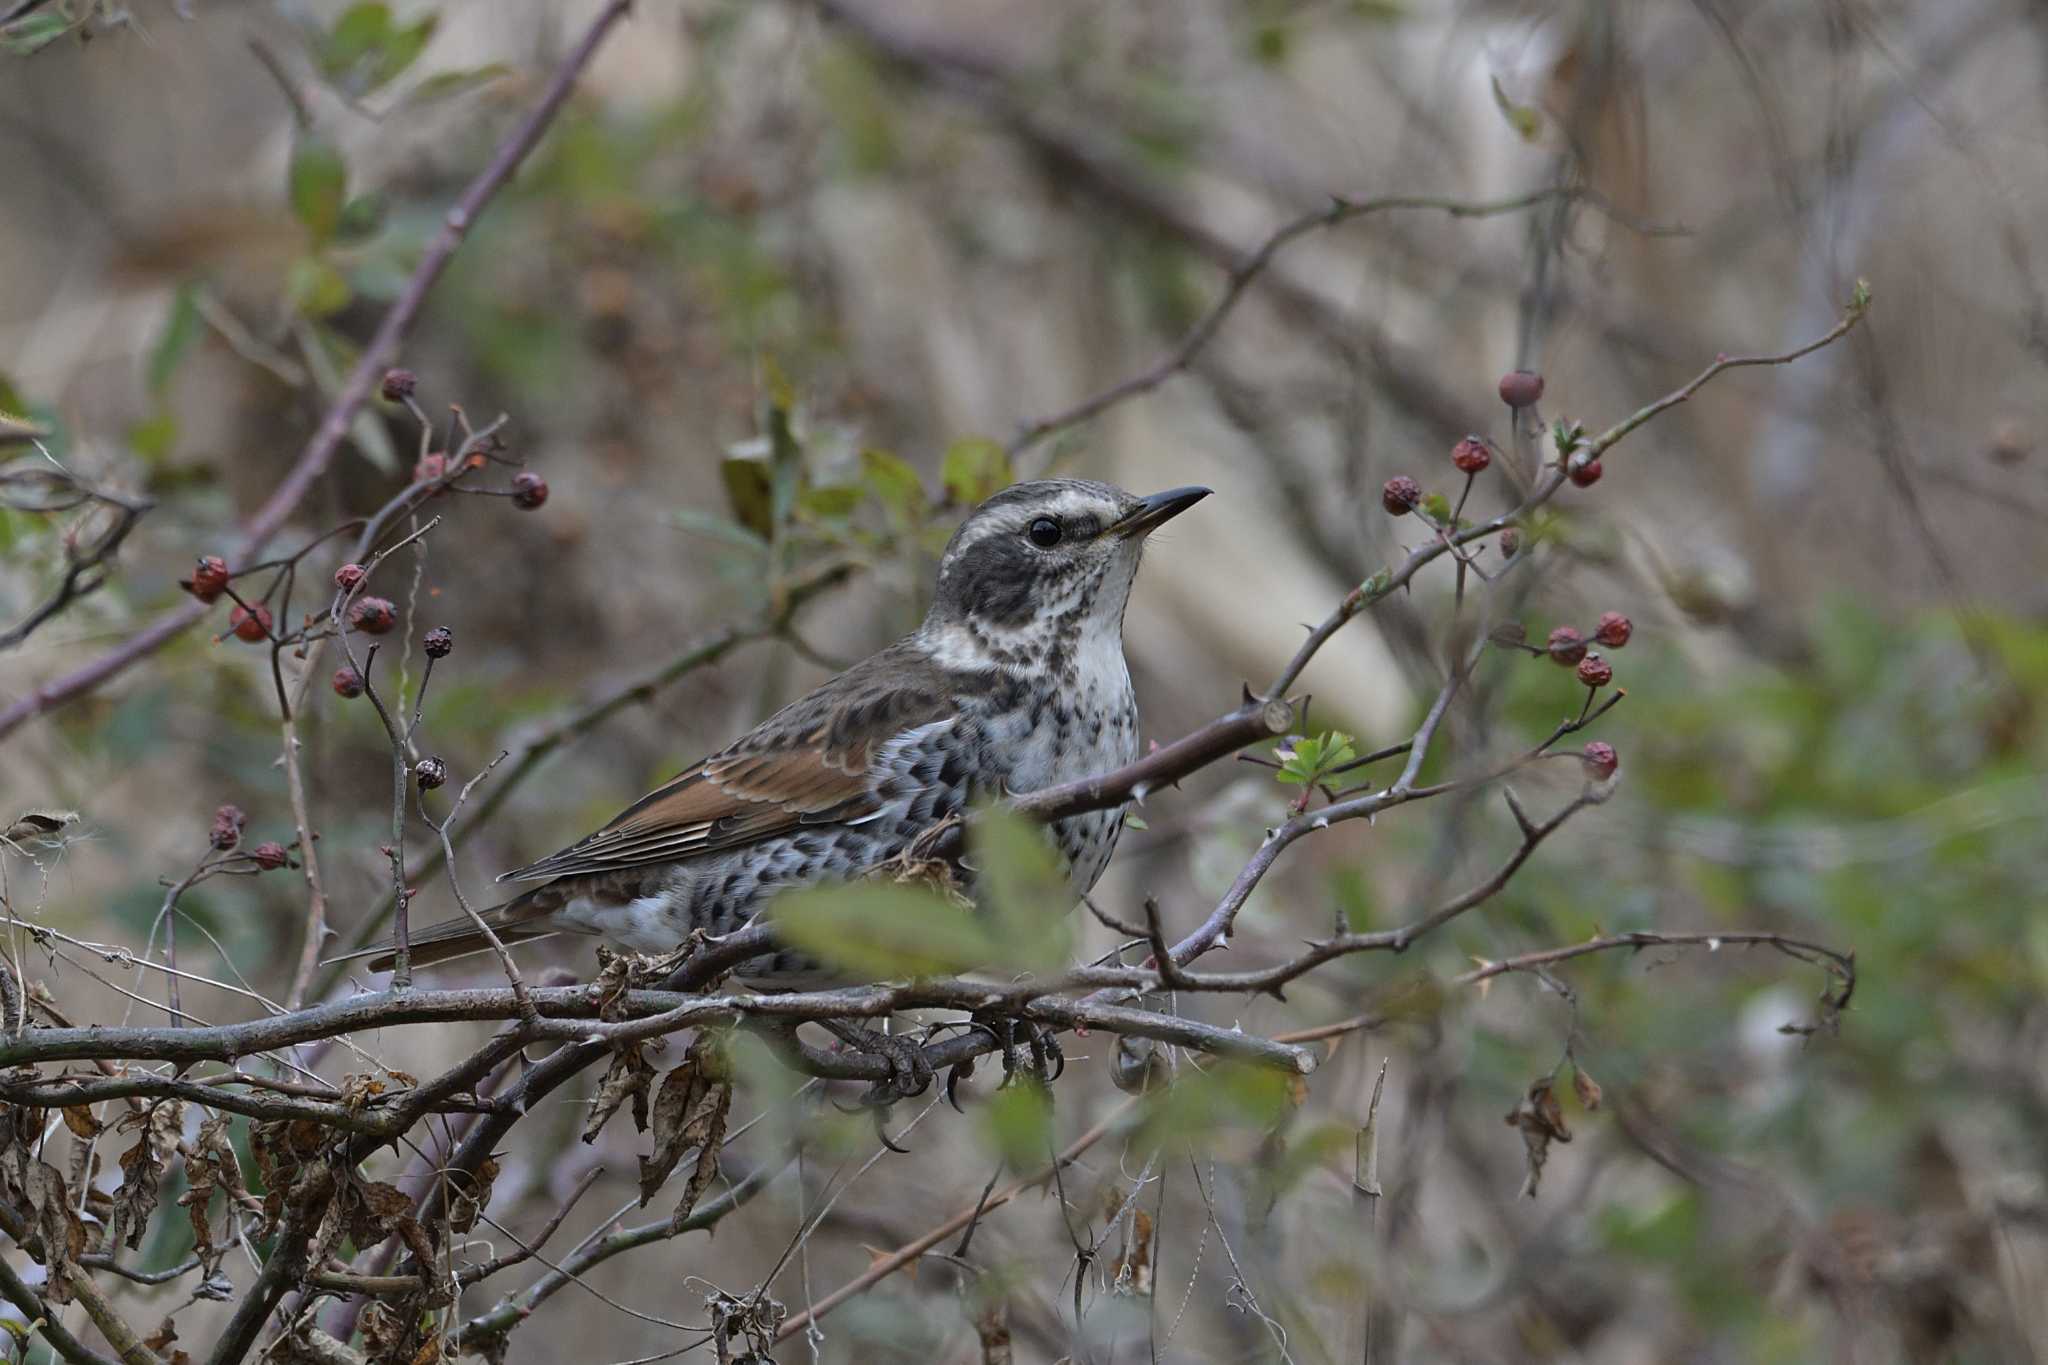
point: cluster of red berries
(1567, 647)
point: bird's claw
(910, 1071)
(1017, 1036)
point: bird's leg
(910, 1071)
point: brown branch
(376, 356)
(17, 1292)
(54, 489)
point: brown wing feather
(807, 764)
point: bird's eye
(1044, 533)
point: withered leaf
(1541, 1121)
(689, 1115)
(56, 1225)
(1585, 1087)
(628, 1076)
(468, 1198)
(78, 1118)
(1131, 1272)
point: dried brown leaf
(628, 1077)
(1541, 1121)
(1585, 1087)
(78, 1118)
(56, 1223)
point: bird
(1015, 681)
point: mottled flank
(1015, 681)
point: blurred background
(923, 226)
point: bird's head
(1044, 567)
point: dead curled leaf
(690, 1112)
(56, 1224)
(629, 1076)
(1131, 1272)
(1541, 1121)
(1585, 1087)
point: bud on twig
(438, 642)
(1471, 455)
(269, 856)
(1595, 671)
(1521, 388)
(250, 623)
(1613, 630)
(210, 579)
(347, 682)
(430, 772)
(349, 577)
(398, 385)
(1599, 760)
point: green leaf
(1022, 889)
(880, 932)
(367, 49)
(1438, 508)
(1525, 120)
(319, 185)
(973, 469)
(360, 218)
(152, 439)
(315, 288)
(830, 502)
(444, 85)
(360, 30)
(718, 528)
(895, 485)
(748, 492)
(1019, 1119)
(181, 329)
(27, 36)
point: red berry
(439, 641)
(1510, 541)
(1613, 630)
(1521, 388)
(227, 827)
(1401, 496)
(1599, 760)
(430, 772)
(250, 623)
(1471, 455)
(398, 384)
(432, 467)
(1585, 475)
(347, 682)
(1567, 646)
(349, 576)
(529, 490)
(1595, 671)
(373, 615)
(210, 579)
(269, 856)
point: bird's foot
(1029, 1050)
(910, 1071)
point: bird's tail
(519, 920)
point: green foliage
(881, 931)
(368, 48)
(1018, 1122)
(973, 469)
(1309, 759)
(318, 185)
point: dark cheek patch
(993, 581)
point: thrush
(1015, 681)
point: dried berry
(269, 856)
(1567, 646)
(1510, 541)
(1585, 475)
(1595, 671)
(1599, 760)
(1471, 455)
(438, 642)
(430, 772)
(210, 579)
(1401, 496)
(227, 827)
(250, 623)
(529, 490)
(1521, 388)
(347, 682)
(373, 615)
(1613, 630)
(398, 384)
(349, 577)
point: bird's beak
(1151, 512)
